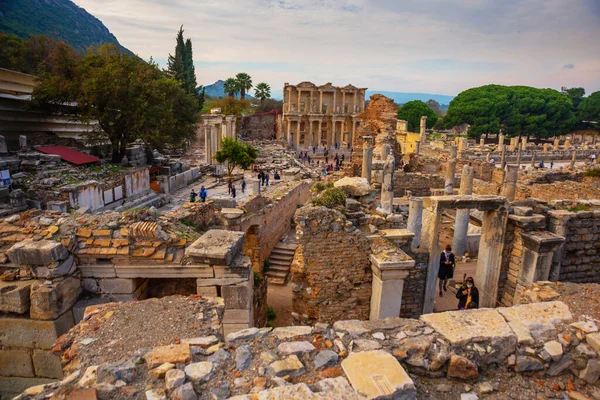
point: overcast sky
(427, 46)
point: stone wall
(414, 286)
(418, 184)
(261, 126)
(331, 271)
(588, 189)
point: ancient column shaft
(461, 225)
(510, 182)
(387, 186)
(414, 223)
(450, 171)
(367, 157)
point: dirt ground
(280, 299)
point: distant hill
(60, 19)
(402, 97)
(216, 90)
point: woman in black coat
(447, 263)
(468, 295)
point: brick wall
(259, 126)
(581, 256)
(418, 184)
(331, 271)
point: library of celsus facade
(316, 116)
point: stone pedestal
(367, 158)
(510, 182)
(388, 280)
(461, 225)
(253, 186)
(414, 223)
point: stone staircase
(148, 200)
(279, 263)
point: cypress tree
(176, 64)
(188, 67)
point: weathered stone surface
(586, 326)
(243, 357)
(462, 368)
(16, 363)
(204, 341)
(554, 350)
(244, 334)
(295, 347)
(593, 339)
(236, 296)
(291, 366)
(365, 345)
(25, 332)
(591, 373)
(334, 388)
(216, 247)
(528, 364)
(47, 364)
(219, 356)
(539, 318)
(354, 186)
(50, 301)
(119, 371)
(377, 373)
(43, 252)
(288, 332)
(220, 392)
(199, 372)
(161, 370)
(184, 392)
(325, 358)
(174, 354)
(14, 296)
(352, 327)
(174, 378)
(155, 394)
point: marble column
(423, 129)
(312, 138)
(501, 140)
(513, 144)
(387, 186)
(487, 156)
(503, 159)
(207, 144)
(510, 182)
(417, 148)
(482, 142)
(216, 145)
(450, 171)
(524, 142)
(367, 157)
(533, 159)
(298, 135)
(519, 155)
(574, 158)
(289, 132)
(320, 133)
(414, 223)
(556, 143)
(453, 152)
(461, 225)
(320, 111)
(388, 281)
(567, 144)
(23, 142)
(545, 146)
(3, 146)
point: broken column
(519, 155)
(461, 225)
(510, 182)
(567, 144)
(23, 142)
(414, 223)
(503, 159)
(417, 148)
(533, 159)
(574, 159)
(423, 129)
(545, 146)
(501, 140)
(462, 145)
(556, 143)
(513, 145)
(367, 157)
(482, 142)
(450, 171)
(387, 186)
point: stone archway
(489, 261)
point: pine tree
(176, 65)
(188, 67)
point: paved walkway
(449, 302)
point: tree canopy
(236, 154)
(412, 112)
(129, 98)
(589, 110)
(514, 110)
(181, 67)
(231, 87)
(262, 91)
(244, 83)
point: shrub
(331, 198)
(593, 172)
(320, 186)
(271, 314)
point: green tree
(575, 94)
(231, 87)
(129, 98)
(236, 154)
(175, 63)
(412, 112)
(262, 92)
(231, 106)
(181, 67)
(589, 110)
(244, 83)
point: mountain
(60, 19)
(216, 90)
(402, 97)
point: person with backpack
(193, 196)
(203, 194)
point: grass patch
(580, 207)
(320, 186)
(593, 172)
(331, 198)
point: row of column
(352, 109)
(214, 133)
(312, 138)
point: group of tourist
(467, 294)
(203, 195)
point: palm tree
(244, 83)
(262, 91)
(231, 87)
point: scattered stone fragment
(591, 373)
(175, 354)
(219, 356)
(291, 366)
(174, 378)
(184, 392)
(586, 326)
(289, 332)
(365, 345)
(220, 392)
(353, 327)
(243, 357)
(268, 356)
(378, 336)
(485, 388)
(295, 347)
(593, 339)
(462, 368)
(325, 358)
(469, 396)
(204, 342)
(199, 372)
(528, 364)
(244, 334)
(553, 349)
(161, 370)
(155, 394)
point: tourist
(243, 185)
(468, 295)
(276, 176)
(229, 185)
(343, 157)
(551, 164)
(542, 165)
(267, 177)
(492, 161)
(193, 196)
(447, 263)
(326, 159)
(233, 191)
(203, 194)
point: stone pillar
(501, 140)
(320, 133)
(462, 145)
(387, 186)
(207, 143)
(384, 152)
(423, 129)
(513, 145)
(524, 142)
(23, 142)
(333, 108)
(519, 155)
(461, 225)
(367, 157)
(320, 110)
(567, 144)
(388, 281)
(503, 159)
(558, 224)
(453, 152)
(532, 159)
(489, 259)
(556, 143)
(510, 182)
(545, 146)
(215, 144)
(414, 223)
(3, 147)
(450, 171)
(298, 135)
(482, 142)
(253, 186)
(417, 148)
(310, 130)
(574, 159)
(289, 131)
(487, 157)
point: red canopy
(70, 155)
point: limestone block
(291, 366)
(236, 297)
(216, 247)
(237, 316)
(16, 363)
(81, 305)
(593, 339)
(462, 368)
(300, 347)
(288, 332)
(55, 270)
(207, 291)
(50, 301)
(16, 385)
(377, 373)
(539, 318)
(199, 372)
(29, 333)
(354, 186)
(14, 296)
(47, 364)
(43, 252)
(120, 285)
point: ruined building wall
(331, 271)
(588, 189)
(261, 126)
(581, 256)
(418, 184)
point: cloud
(569, 66)
(432, 46)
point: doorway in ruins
(486, 270)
